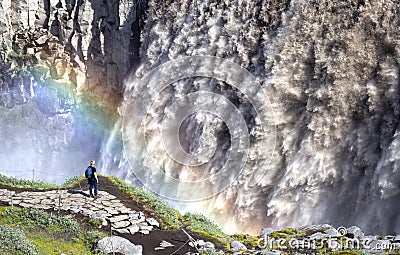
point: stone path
(106, 208)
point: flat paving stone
(47, 201)
(149, 228)
(121, 230)
(153, 222)
(138, 221)
(133, 229)
(144, 232)
(25, 205)
(119, 218)
(121, 224)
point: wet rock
(237, 246)
(389, 237)
(312, 228)
(331, 231)
(354, 232)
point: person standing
(91, 175)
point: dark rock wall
(62, 65)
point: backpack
(88, 172)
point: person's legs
(91, 188)
(95, 188)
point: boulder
(313, 228)
(209, 245)
(331, 231)
(354, 232)
(119, 244)
(237, 246)
(149, 228)
(389, 237)
(396, 239)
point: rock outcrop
(62, 64)
(99, 38)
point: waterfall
(256, 113)
(316, 142)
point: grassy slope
(33, 231)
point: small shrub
(14, 241)
(71, 181)
(201, 224)
(30, 218)
(209, 251)
(95, 222)
(91, 238)
(23, 183)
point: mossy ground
(47, 243)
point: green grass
(50, 243)
(39, 232)
(24, 183)
(32, 218)
(47, 244)
(171, 218)
(201, 224)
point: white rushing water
(327, 150)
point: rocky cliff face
(62, 64)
